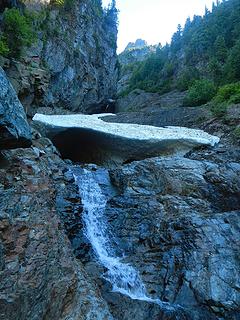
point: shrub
(229, 93)
(200, 93)
(58, 2)
(232, 66)
(4, 50)
(17, 30)
(236, 132)
(186, 78)
(235, 98)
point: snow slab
(127, 130)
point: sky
(154, 20)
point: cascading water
(124, 278)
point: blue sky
(154, 20)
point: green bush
(229, 93)
(236, 132)
(18, 31)
(235, 98)
(4, 50)
(186, 78)
(232, 66)
(58, 2)
(200, 93)
(67, 4)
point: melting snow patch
(126, 130)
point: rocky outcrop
(81, 57)
(14, 128)
(136, 51)
(83, 136)
(30, 81)
(139, 100)
(39, 276)
(139, 43)
(74, 64)
(178, 220)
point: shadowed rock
(14, 129)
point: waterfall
(124, 278)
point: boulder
(14, 129)
(88, 138)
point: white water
(124, 278)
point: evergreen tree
(220, 49)
(207, 48)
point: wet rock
(123, 307)
(177, 220)
(39, 275)
(14, 129)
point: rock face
(39, 276)
(139, 100)
(117, 141)
(83, 66)
(136, 51)
(74, 64)
(178, 220)
(14, 128)
(139, 43)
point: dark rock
(178, 220)
(139, 100)
(161, 117)
(14, 129)
(39, 275)
(10, 4)
(124, 308)
(73, 65)
(83, 68)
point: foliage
(4, 50)
(186, 78)
(18, 31)
(236, 132)
(111, 14)
(207, 47)
(232, 67)
(200, 93)
(226, 95)
(153, 74)
(229, 93)
(62, 4)
(58, 2)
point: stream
(124, 278)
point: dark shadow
(80, 145)
(4, 163)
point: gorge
(132, 215)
